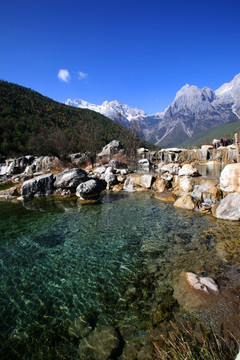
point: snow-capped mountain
(193, 110)
(112, 109)
(230, 93)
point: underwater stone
(194, 292)
(100, 344)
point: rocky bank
(170, 174)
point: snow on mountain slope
(230, 93)
(192, 110)
(112, 109)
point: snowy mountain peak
(231, 88)
(112, 109)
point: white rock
(230, 178)
(229, 207)
(188, 170)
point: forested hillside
(32, 123)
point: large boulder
(70, 179)
(172, 169)
(182, 184)
(230, 178)
(144, 181)
(207, 192)
(41, 185)
(228, 208)
(161, 185)
(100, 344)
(90, 189)
(45, 163)
(188, 170)
(185, 202)
(113, 148)
(168, 171)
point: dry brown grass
(184, 344)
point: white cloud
(82, 75)
(64, 75)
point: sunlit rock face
(70, 178)
(230, 178)
(207, 192)
(228, 208)
(185, 202)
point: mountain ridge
(192, 110)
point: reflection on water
(61, 260)
(211, 169)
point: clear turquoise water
(59, 259)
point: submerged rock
(41, 185)
(165, 196)
(9, 193)
(99, 344)
(194, 292)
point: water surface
(60, 260)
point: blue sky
(138, 52)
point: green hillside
(33, 123)
(206, 137)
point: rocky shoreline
(169, 174)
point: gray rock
(111, 149)
(99, 170)
(118, 164)
(229, 207)
(100, 344)
(41, 185)
(70, 179)
(110, 178)
(90, 189)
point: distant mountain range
(192, 111)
